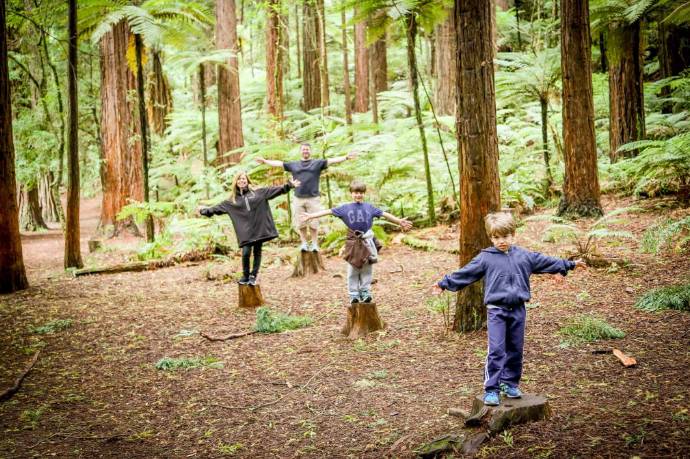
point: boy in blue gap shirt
(360, 248)
(506, 269)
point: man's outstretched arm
(269, 162)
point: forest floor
(95, 390)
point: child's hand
(436, 290)
(405, 224)
(261, 160)
(351, 155)
(579, 263)
(305, 217)
(294, 182)
(559, 279)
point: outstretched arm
(340, 159)
(468, 274)
(269, 162)
(322, 213)
(274, 191)
(542, 264)
(215, 210)
(404, 223)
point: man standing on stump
(308, 172)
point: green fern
(268, 321)
(674, 297)
(667, 234)
(587, 329)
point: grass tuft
(170, 363)
(673, 297)
(53, 326)
(268, 321)
(587, 329)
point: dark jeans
(506, 330)
(246, 252)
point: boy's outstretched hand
(436, 290)
(405, 224)
(579, 263)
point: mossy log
(250, 296)
(362, 319)
(511, 411)
(308, 263)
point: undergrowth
(672, 297)
(674, 234)
(52, 327)
(170, 363)
(587, 329)
(268, 321)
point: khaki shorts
(305, 205)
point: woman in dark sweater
(251, 217)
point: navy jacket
(506, 275)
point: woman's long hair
(234, 189)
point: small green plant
(170, 364)
(586, 329)
(268, 321)
(378, 374)
(442, 305)
(53, 326)
(229, 450)
(673, 297)
(671, 234)
(507, 438)
(32, 416)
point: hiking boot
(304, 247)
(511, 392)
(491, 398)
(252, 279)
(244, 280)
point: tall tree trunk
(61, 113)
(72, 248)
(120, 133)
(674, 55)
(30, 216)
(346, 70)
(544, 104)
(323, 53)
(477, 146)
(298, 50)
(310, 47)
(230, 135)
(517, 23)
(274, 69)
(202, 102)
(444, 103)
(143, 122)
(46, 198)
(411, 33)
(361, 68)
(373, 94)
(603, 62)
(12, 272)
(284, 20)
(626, 100)
(159, 95)
(379, 62)
(581, 195)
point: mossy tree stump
(250, 296)
(511, 411)
(362, 319)
(308, 263)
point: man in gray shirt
(307, 200)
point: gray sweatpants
(359, 281)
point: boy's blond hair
(499, 224)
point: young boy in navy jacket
(506, 269)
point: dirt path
(95, 391)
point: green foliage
(419, 244)
(442, 305)
(674, 297)
(335, 239)
(170, 364)
(268, 321)
(668, 234)
(53, 326)
(587, 329)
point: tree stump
(250, 296)
(308, 263)
(362, 319)
(511, 411)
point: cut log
(511, 411)
(250, 296)
(95, 244)
(122, 268)
(362, 319)
(308, 263)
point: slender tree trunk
(411, 29)
(310, 46)
(230, 135)
(30, 216)
(477, 146)
(603, 62)
(297, 43)
(61, 113)
(323, 53)
(346, 70)
(159, 95)
(120, 133)
(581, 195)
(444, 103)
(373, 93)
(379, 62)
(202, 97)
(12, 272)
(674, 55)
(517, 23)
(143, 122)
(361, 68)
(626, 99)
(545, 141)
(274, 70)
(72, 247)
(284, 22)
(46, 198)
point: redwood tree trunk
(159, 96)
(230, 135)
(274, 70)
(30, 216)
(361, 68)
(323, 53)
(626, 100)
(310, 47)
(346, 70)
(12, 272)
(120, 133)
(581, 194)
(72, 249)
(143, 122)
(477, 146)
(444, 95)
(379, 61)
(674, 55)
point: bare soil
(95, 391)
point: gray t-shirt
(308, 173)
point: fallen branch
(7, 394)
(227, 337)
(136, 266)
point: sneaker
(252, 279)
(354, 300)
(511, 392)
(314, 247)
(491, 398)
(244, 280)
(304, 247)
(367, 299)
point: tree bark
(72, 240)
(298, 51)
(30, 216)
(274, 69)
(310, 46)
(230, 135)
(159, 96)
(626, 99)
(12, 272)
(444, 103)
(47, 200)
(144, 124)
(379, 62)
(323, 53)
(362, 319)
(544, 104)
(346, 70)
(361, 68)
(120, 133)
(581, 195)
(674, 55)
(202, 104)
(477, 146)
